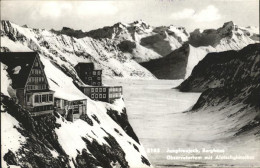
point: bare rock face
(229, 79)
(122, 120)
(172, 66)
(225, 69)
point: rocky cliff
(229, 82)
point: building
(71, 109)
(88, 74)
(103, 93)
(96, 91)
(29, 80)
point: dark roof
(14, 59)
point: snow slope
(99, 127)
(67, 51)
(138, 39)
(95, 130)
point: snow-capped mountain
(138, 39)
(118, 49)
(67, 51)
(229, 82)
(227, 37)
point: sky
(88, 15)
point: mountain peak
(229, 26)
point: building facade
(71, 109)
(96, 91)
(88, 74)
(103, 93)
(29, 80)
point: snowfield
(155, 112)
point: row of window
(98, 89)
(96, 84)
(42, 108)
(36, 71)
(96, 96)
(36, 87)
(114, 95)
(116, 89)
(36, 79)
(43, 98)
(93, 73)
(90, 78)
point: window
(100, 95)
(50, 97)
(92, 96)
(96, 89)
(96, 95)
(89, 78)
(28, 98)
(98, 78)
(94, 73)
(94, 83)
(98, 72)
(92, 89)
(100, 89)
(98, 84)
(86, 73)
(104, 96)
(36, 64)
(104, 89)
(36, 99)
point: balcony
(40, 110)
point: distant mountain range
(134, 50)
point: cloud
(54, 9)
(184, 14)
(96, 8)
(209, 14)
(81, 8)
